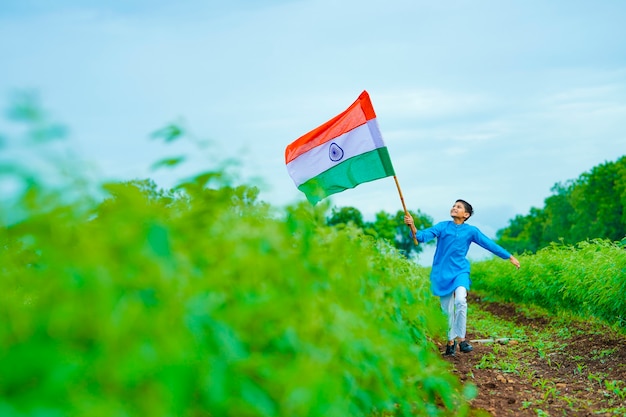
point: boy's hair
(468, 207)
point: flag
(344, 152)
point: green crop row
(205, 302)
(588, 279)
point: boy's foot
(465, 347)
(450, 349)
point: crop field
(542, 364)
(204, 301)
(564, 316)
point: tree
(558, 215)
(393, 229)
(346, 215)
(389, 227)
(592, 206)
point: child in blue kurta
(450, 274)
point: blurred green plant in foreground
(201, 301)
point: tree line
(588, 207)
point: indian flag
(344, 152)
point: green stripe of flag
(368, 166)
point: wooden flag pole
(404, 206)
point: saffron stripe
(356, 115)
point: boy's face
(458, 211)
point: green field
(204, 301)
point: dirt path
(556, 370)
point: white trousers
(455, 308)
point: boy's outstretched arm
(514, 261)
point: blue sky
(490, 101)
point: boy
(449, 276)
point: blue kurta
(450, 266)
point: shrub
(588, 279)
(204, 302)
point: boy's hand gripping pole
(404, 207)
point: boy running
(450, 274)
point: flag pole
(404, 206)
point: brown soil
(582, 373)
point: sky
(493, 102)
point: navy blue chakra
(335, 152)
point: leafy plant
(203, 301)
(588, 278)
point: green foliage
(202, 301)
(27, 109)
(588, 278)
(592, 206)
(345, 216)
(164, 306)
(389, 227)
(169, 133)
